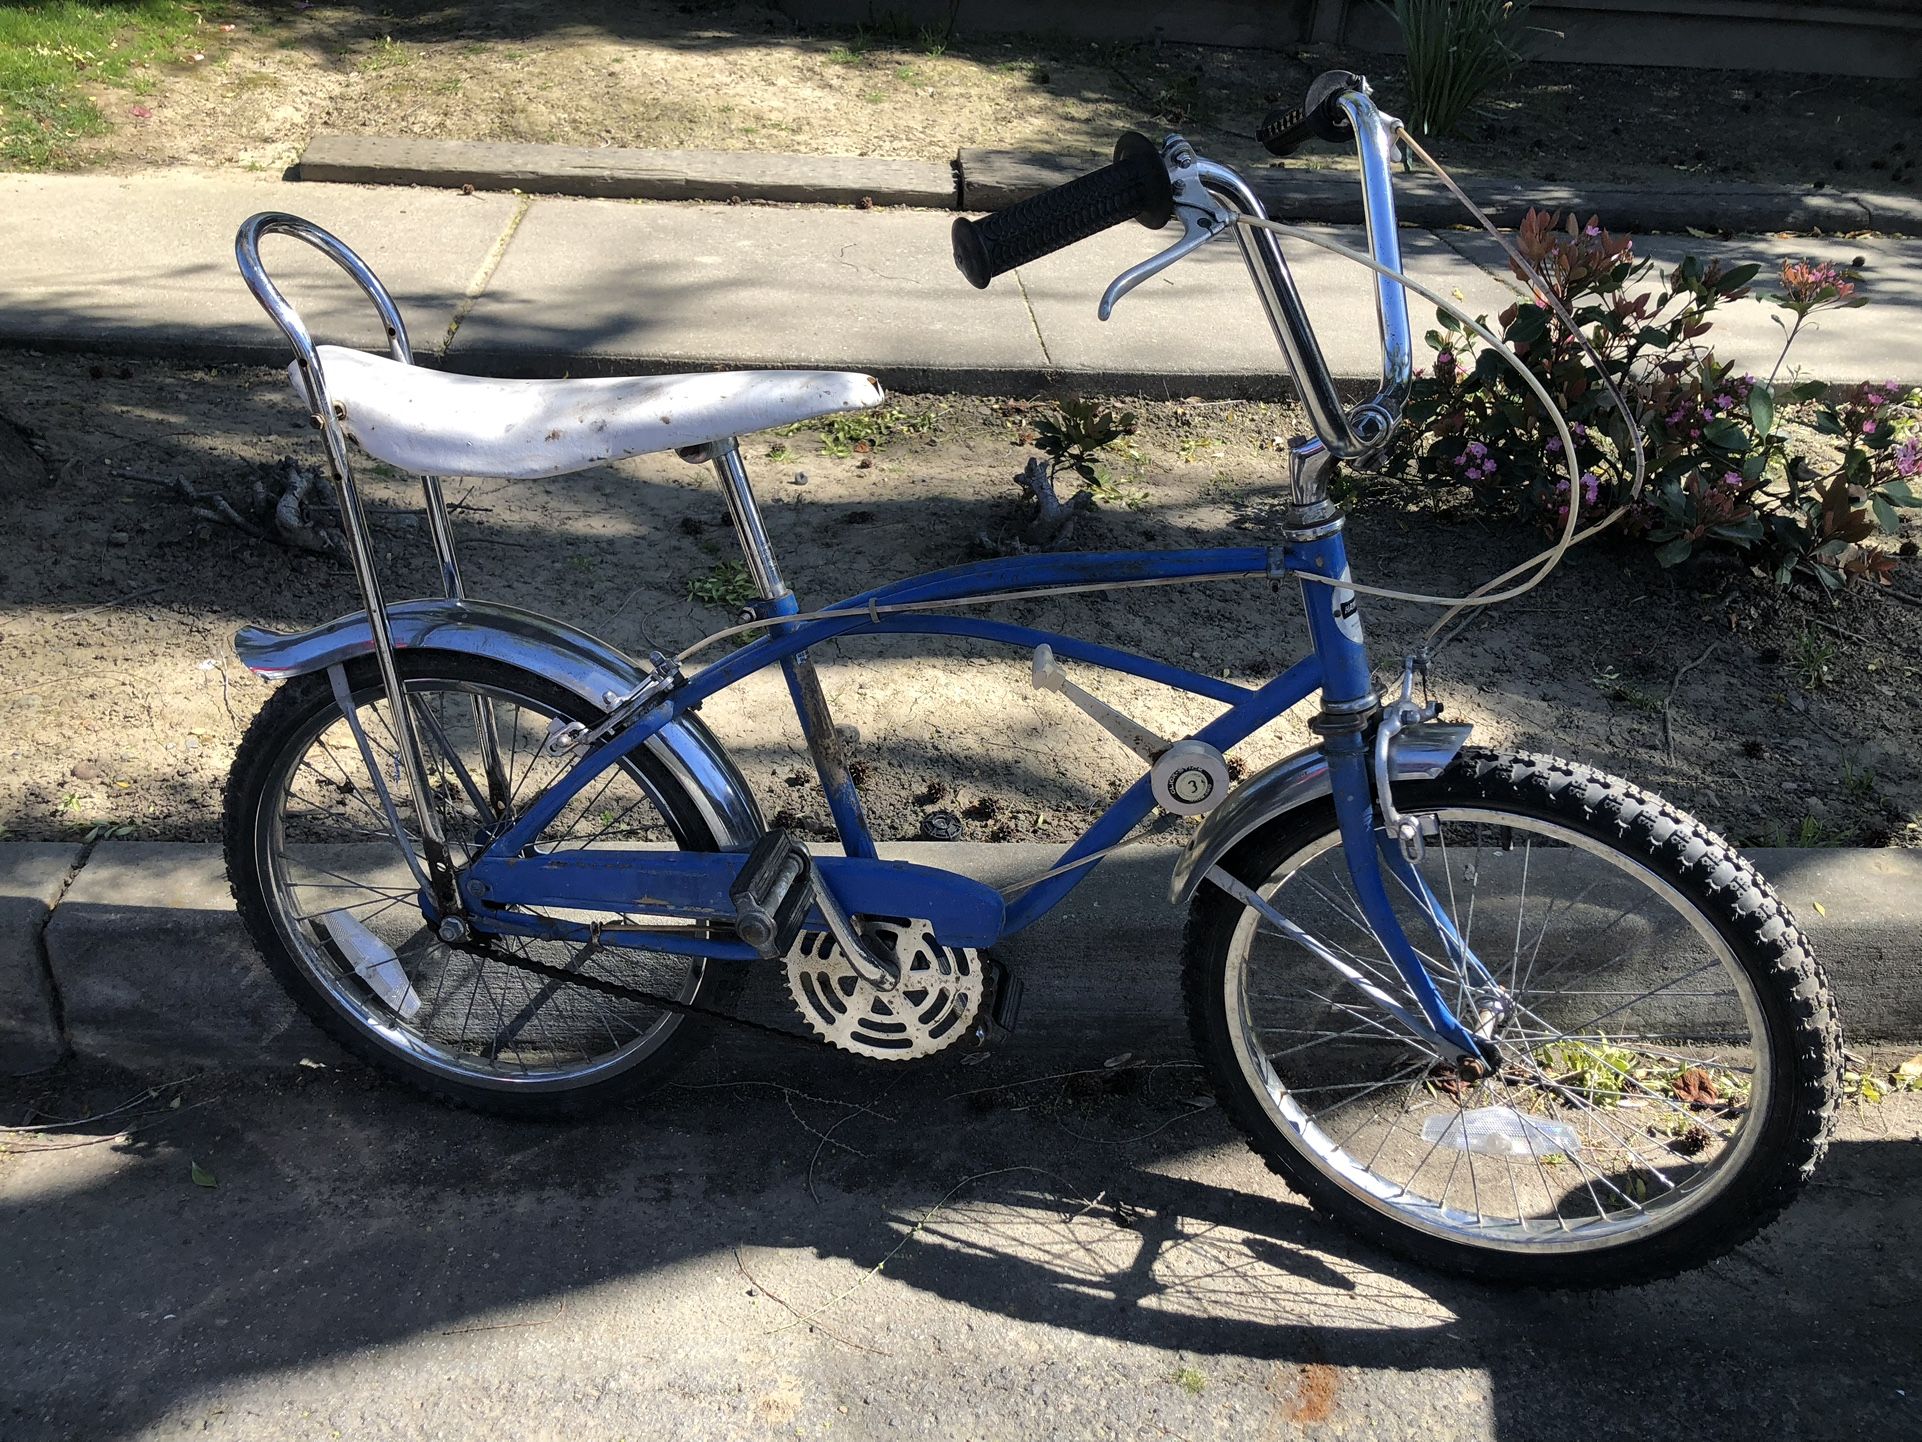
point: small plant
(1721, 472)
(1858, 781)
(862, 432)
(1458, 51)
(387, 54)
(726, 584)
(1073, 440)
(1191, 1380)
(1814, 654)
(1610, 683)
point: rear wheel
(313, 867)
(1670, 1056)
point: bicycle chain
(589, 982)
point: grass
(51, 53)
(726, 585)
(1610, 683)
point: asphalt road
(798, 1249)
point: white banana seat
(435, 423)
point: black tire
(300, 953)
(1758, 1166)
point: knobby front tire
(1663, 1009)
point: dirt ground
(1792, 720)
(739, 77)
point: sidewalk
(512, 285)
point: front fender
(1419, 753)
(570, 658)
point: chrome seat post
(817, 722)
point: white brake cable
(1487, 594)
(1572, 534)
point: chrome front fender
(577, 662)
(1419, 753)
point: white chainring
(934, 1006)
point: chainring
(935, 1005)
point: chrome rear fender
(572, 659)
(1420, 753)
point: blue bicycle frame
(510, 872)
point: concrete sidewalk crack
(485, 275)
(1034, 320)
(44, 956)
(1502, 276)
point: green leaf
(1748, 529)
(1656, 338)
(201, 1176)
(1674, 552)
(1885, 515)
(1898, 491)
(1728, 435)
(1738, 276)
(1530, 325)
(1761, 409)
(1808, 391)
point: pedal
(772, 892)
(1003, 1002)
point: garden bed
(1779, 717)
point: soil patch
(739, 77)
(123, 703)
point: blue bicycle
(1502, 1013)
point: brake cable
(1573, 534)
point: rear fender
(589, 668)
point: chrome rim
(1630, 1023)
(324, 847)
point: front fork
(1377, 840)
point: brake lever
(1203, 218)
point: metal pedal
(772, 893)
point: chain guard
(935, 1005)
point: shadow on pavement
(966, 1248)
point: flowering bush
(1721, 470)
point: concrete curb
(153, 968)
(618, 174)
(980, 180)
(32, 877)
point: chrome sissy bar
(360, 551)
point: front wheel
(1670, 1061)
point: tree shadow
(821, 1218)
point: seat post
(745, 512)
(810, 702)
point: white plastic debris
(1502, 1132)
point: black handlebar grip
(1319, 117)
(1134, 187)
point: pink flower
(1591, 487)
(1908, 457)
(1868, 428)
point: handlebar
(1134, 187)
(1318, 117)
(1150, 184)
